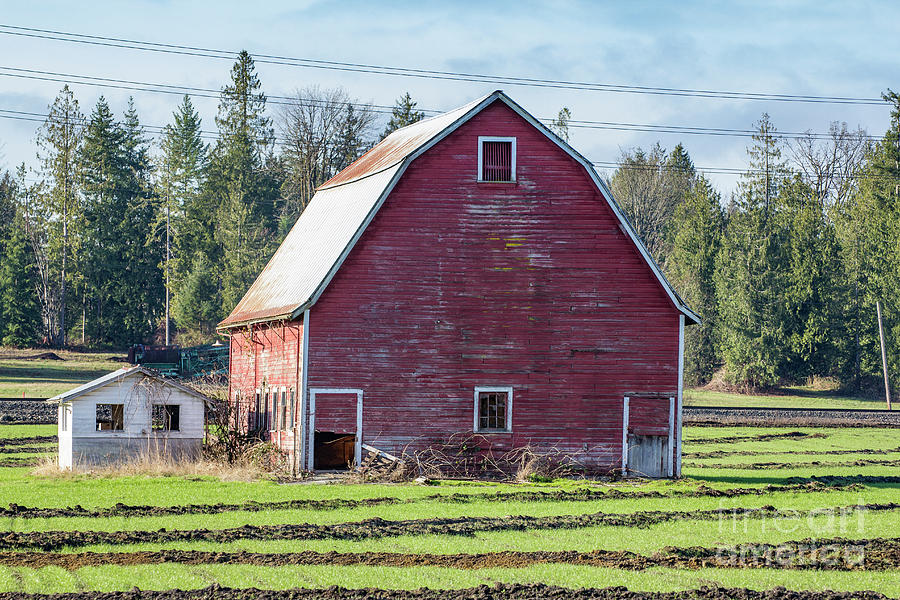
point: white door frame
(311, 444)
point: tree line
(786, 272)
(112, 231)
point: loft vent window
(497, 159)
(110, 417)
(166, 417)
(493, 409)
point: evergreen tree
(243, 184)
(697, 229)
(180, 223)
(122, 284)
(404, 114)
(560, 125)
(56, 210)
(815, 294)
(20, 314)
(868, 227)
(751, 272)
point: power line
(423, 73)
(141, 86)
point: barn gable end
(430, 286)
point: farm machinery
(208, 360)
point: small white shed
(126, 414)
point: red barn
(471, 274)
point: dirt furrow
(498, 591)
(836, 554)
(722, 453)
(26, 441)
(763, 437)
(794, 465)
(378, 528)
(582, 495)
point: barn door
(648, 435)
(335, 428)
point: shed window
(493, 409)
(283, 409)
(291, 413)
(110, 417)
(257, 413)
(166, 417)
(496, 159)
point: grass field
(648, 536)
(44, 378)
(791, 397)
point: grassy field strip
(44, 378)
(725, 532)
(439, 510)
(161, 577)
(377, 528)
(791, 398)
(8, 432)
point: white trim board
(357, 451)
(512, 160)
(509, 407)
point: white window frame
(509, 408)
(512, 163)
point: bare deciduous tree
(323, 132)
(830, 166)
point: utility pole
(884, 364)
(167, 266)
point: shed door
(649, 439)
(336, 427)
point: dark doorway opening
(334, 451)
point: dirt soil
(27, 412)
(836, 554)
(514, 591)
(721, 453)
(794, 465)
(379, 528)
(37, 439)
(583, 495)
(763, 437)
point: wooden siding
(532, 284)
(267, 357)
(82, 443)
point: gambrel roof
(342, 208)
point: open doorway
(335, 440)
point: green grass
(20, 486)
(790, 397)
(45, 378)
(161, 577)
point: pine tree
(697, 228)
(752, 270)
(560, 125)
(123, 287)
(20, 314)
(57, 210)
(242, 183)
(179, 222)
(403, 114)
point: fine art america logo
(827, 548)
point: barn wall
(533, 284)
(267, 358)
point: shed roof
(339, 212)
(116, 376)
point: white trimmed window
(493, 409)
(496, 159)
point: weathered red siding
(457, 284)
(267, 358)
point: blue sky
(816, 48)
